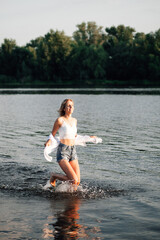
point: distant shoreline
(152, 91)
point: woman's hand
(48, 143)
(93, 137)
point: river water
(119, 194)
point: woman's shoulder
(59, 121)
(74, 120)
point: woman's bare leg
(69, 169)
(75, 166)
(55, 176)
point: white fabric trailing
(79, 140)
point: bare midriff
(69, 142)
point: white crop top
(66, 131)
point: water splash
(26, 180)
(83, 191)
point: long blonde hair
(62, 107)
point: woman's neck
(67, 116)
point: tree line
(116, 57)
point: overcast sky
(24, 20)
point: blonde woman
(66, 125)
(66, 152)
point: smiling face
(69, 107)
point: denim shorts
(66, 152)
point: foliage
(117, 56)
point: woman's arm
(76, 126)
(56, 126)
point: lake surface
(119, 194)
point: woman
(66, 152)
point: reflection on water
(66, 223)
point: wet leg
(71, 169)
(75, 165)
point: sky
(25, 20)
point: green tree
(59, 47)
(52, 52)
(7, 64)
(24, 65)
(89, 34)
(87, 64)
(118, 45)
(8, 46)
